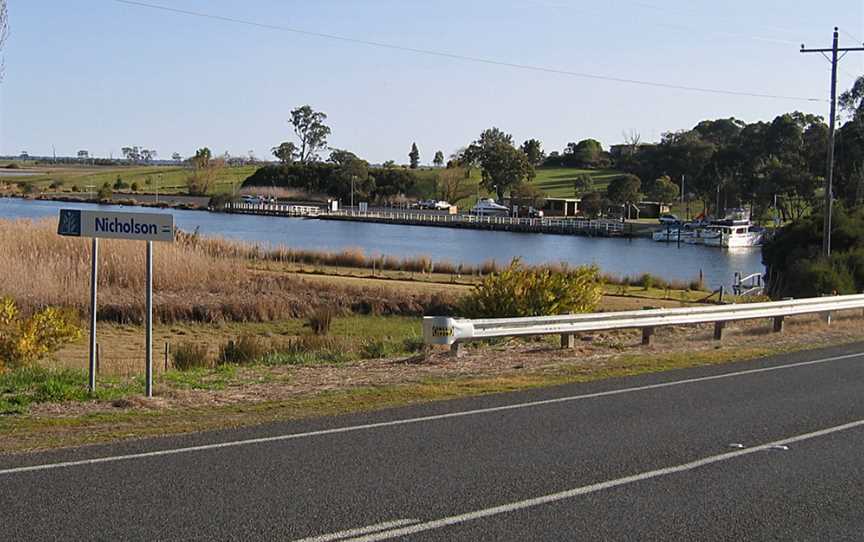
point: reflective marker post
(112, 225)
(149, 307)
(94, 274)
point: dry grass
(194, 280)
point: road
(767, 449)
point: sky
(102, 74)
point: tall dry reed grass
(195, 279)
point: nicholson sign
(111, 225)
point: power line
(454, 56)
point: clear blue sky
(99, 75)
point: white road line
(421, 419)
(546, 499)
(341, 535)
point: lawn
(558, 182)
(167, 179)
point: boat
(734, 231)
(488, 207)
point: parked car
(442, 205)
(669, 220)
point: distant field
(168, 179)
(558, 182)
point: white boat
(488, 207)
(734, 231)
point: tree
(285, 152)
(624, 190)
(587, 153)
(533, 149)
(311, 130)
(177, 157)
(528, 195)
(583, 184)
(591, 204)
(662, 190)
(148, 155)
(414, 156)
(204, 172)
(451, 185)
(133, 154)
(503, 165)
(439, 159)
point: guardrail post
(647, 336)
(778, 324)
(568, 341)
(826, 316)
(457, 350)
(718, 330)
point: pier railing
(273, 209)
(601, 227)
(457, 331)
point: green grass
(558, 182)
(168, 179)
(22, 387)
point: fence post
(167, 351)
(718, 330)
(568, 341)
(826, 316)
(647, 336)
(457, 350)
(778, 324)
(98, 358)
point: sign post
(147, 227)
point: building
(561, 206)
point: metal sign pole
(94, 272)
(149, 376)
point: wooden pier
(563, 226)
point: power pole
(835, 58)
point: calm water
(615, 256)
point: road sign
(114, 225)
(111, 225)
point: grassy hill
(558, 182)
(168, 179)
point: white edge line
(340, 535)
(546, 499)
(408, 421)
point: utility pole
(835, 58)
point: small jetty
(554, 225)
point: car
(442, 205)
(669, 219)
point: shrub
(520, 291)
(308, 350)
(13, 165)
(134, 187)
(56, 184)
(120, 184)
(245, 349)
(190, 356)
(26, 340)
(105, 192)
(320, 320)
(75, 188)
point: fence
(455, 331)
(273, 209)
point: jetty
(553, 225)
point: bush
(134, 187)
(24, 341)
(13, 165)
(105, 192)
(75, 188)
(309, 350)
(320, 320)
(191, 356)
(120, 184)
(520, 291)
(56, 184)
(245, 349)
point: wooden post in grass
(778, 324)
(647, 336)
(718, 330)
(457, 350)
(167, 351)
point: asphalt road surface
(770, 449)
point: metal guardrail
(456, 331)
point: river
(614, 256)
